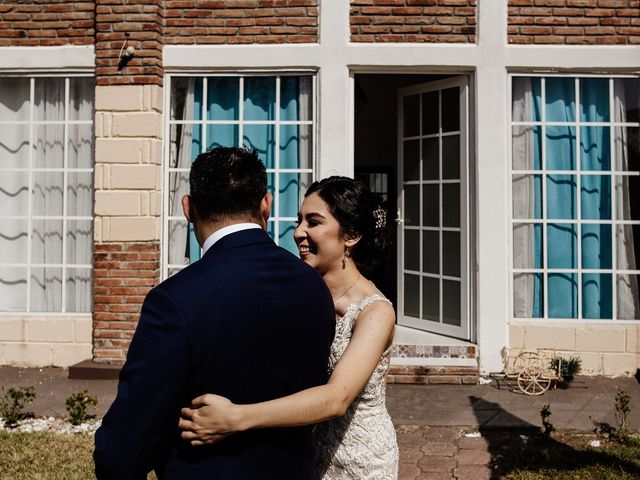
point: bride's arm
(213, 417)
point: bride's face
(320, 242)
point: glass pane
(451, 110)
(291, 192)
(562, 245)
(627, 148)
(431, 299)
(13, 241)
(178, 248)
(596, 246)
(296, 146)
(628, 247)
(221, 136)
(263, 139)
(527, 99)
(81, 94)
(595, 193)
(563, 295)
(561, 148)
(80, 242)
(285, 237)
(527, 295)
(431, 205)
(412, 250)
(594, 99)
(411, 161)
(451, 205)
(451, 254)
(295, 98)
(14, 99)
(628, 197)
(78, 284)
(13, 287)
(431, 251)
(451, 157)
(628, 305)
(222, 98)
(527, 245)
(626, 93)
(595, 148)
(185, 104)
(560, 102)
(14, 193)
(49, 99)
(430, 114)
(597, 295)
(173, 271)
(412, 205)
(561, 196)
(412, 295)
(411, 109)
(527, 147)
(48, 151)
(259, 98)
(271, 186)
(46, 289)
(80, 146)
(80, 194)
(46, 241)
(527, 196)
(451, 303)
(430, 159)
(271, 229)
(47, 193)
(14, 145)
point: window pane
(295, 98)
(14, 145)
(223, 94)
(411, 162)
(177, 248)
(259, 98)
(451, 157)
(296, 146)
(628, 304)
(451, 254)
(451, 302)
(285, 237)
(561, 196)
(561, 148)
(13, 288)
(46, 241)
(527, 295)
(263, 139)
(596, 295)
(431, 299)
(628, 247)
(412, 295)
(78, 284)
(14, 99)
(451, 110)
(451, 205)
(411, 118)
(562, 245)
(563, 295)
(81, 94)
(49, 99)
(431, 251)
(185, 104)
(80, 146)
(48, 146)
(14, 193)
(626, 99)
(79, 242)
(595, 147)
(527, 99)
(220, 136)
(628, 197)
(596, 197)
(412, 250)
(430, 159)
(431, 205)
(627, 148)
(527, 196)
(527, 245)
(596, 246)
(46, 289)
(527, 147)
(292, 189)
(411, 205)
(47, 193)
(560, 99)
(13, 241)
(594, 99)
(80, 194)
(430, 113)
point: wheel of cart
(532, 372)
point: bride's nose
(298, 232)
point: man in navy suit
(249, 321)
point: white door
(433, 224)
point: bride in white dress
(340, 233)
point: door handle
(399, 219)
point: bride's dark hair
(358, 212)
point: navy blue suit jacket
(249, 321)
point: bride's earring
(345, 258)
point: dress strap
(366, 301)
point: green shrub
(567, 369)
(623, 407)
(13, 402)
(77, 405)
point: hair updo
(358, 212)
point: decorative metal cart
(533, 372)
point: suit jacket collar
(239, 239)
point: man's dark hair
(227, 182)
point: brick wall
(123, 274)
(46, 23)
(432, 21)
(588, 22)
(241, 21)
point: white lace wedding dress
(361, 445)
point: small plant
(567, 369)
(623, 407)
(77, 405)
(545, 414)
(13, 402)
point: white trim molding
(76, 58)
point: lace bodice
(362, 443)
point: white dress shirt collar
(224, 231)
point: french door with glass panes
(433, 224)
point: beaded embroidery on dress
(361, 444)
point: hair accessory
(380, 214)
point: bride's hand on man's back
(209, 420)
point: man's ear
(187, 208)
(265, 207)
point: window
(273, 114)
(46, 194)
(576, 197)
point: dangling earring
(345, 258)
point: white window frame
(577, 173)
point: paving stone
(473, 457)
(440, 449)
(414, 439)
(473, 443)
(475, 472)
(442, 434)
(409, 471)
(430, 463)
(437, 476)
(410, 454)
